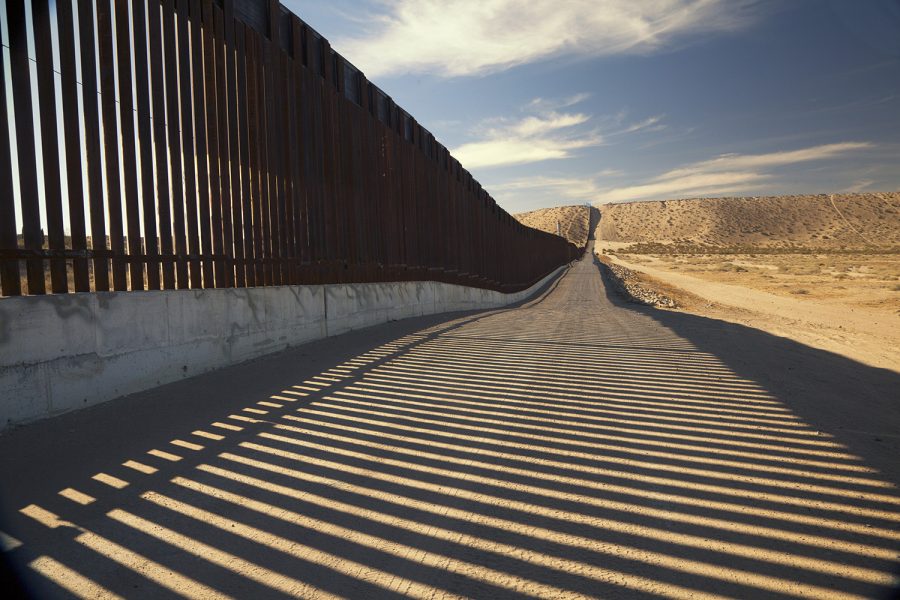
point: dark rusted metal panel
(49, 142)
(254, 13)
(300, 160)
(223, 86)
(253, 121)
(175, 57)
(234, 156)
(288, 151)
(93, 144)
(329, 165)
(142, 76)
(294, 165)
(106, 47)
(200, 143)
(186, 75)
(211, 163)
(129, 143)
(72, 134)
(246, 158)
(274, 134)
(157, 77)
(10, 284)
(266, 183)
(25, 143)
(314, 128)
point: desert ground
(573, 221)
(822, 270)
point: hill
(838, 222)
(573, 221)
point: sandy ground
(863, 221)
(823, 270)
(869, 334)
(573, 221)
(572, 447)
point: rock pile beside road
(627, 284)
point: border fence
(181, 144)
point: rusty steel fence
(183, 144)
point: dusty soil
(573, 221)
(830, 222)
(857, 317)
(822, 270)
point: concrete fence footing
(63, 352)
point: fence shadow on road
(486, 456)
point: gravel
(626, 283)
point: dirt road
(868, 336)
(570, 447)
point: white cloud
(649, 124)
(859, 185)
(546, 135)
(568, 187)
(729, 173)
(726, 174)
(473, 37)
(729, 162)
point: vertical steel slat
(176, 56)
(185, 70)
(273, 159)
(106, 47)
(257, 182)
(142, 76)
(246, 154)
(198, 86)
(298, 195)
(40, 12)
(325, 93)
(222, 87)
(10, 284)
(234, 157)
(25, 143)
(315, 160)
(290, 227)
(266, 179)
(214, 214)
(161, 143)
(297, 159)
(129, 159)
(74, 178)
(93, 143)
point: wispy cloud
(649, 124)
(726, 174)
(547, 133)
(534, 138)
(473, 37)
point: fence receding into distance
(183, 144)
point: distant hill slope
(851, 221)
(573, 221)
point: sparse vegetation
(573, 221)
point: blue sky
(552, 102)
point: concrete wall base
(59, 353)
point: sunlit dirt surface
(572, 447)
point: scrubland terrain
(573, 221)
(826, 274)
(838, 222)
